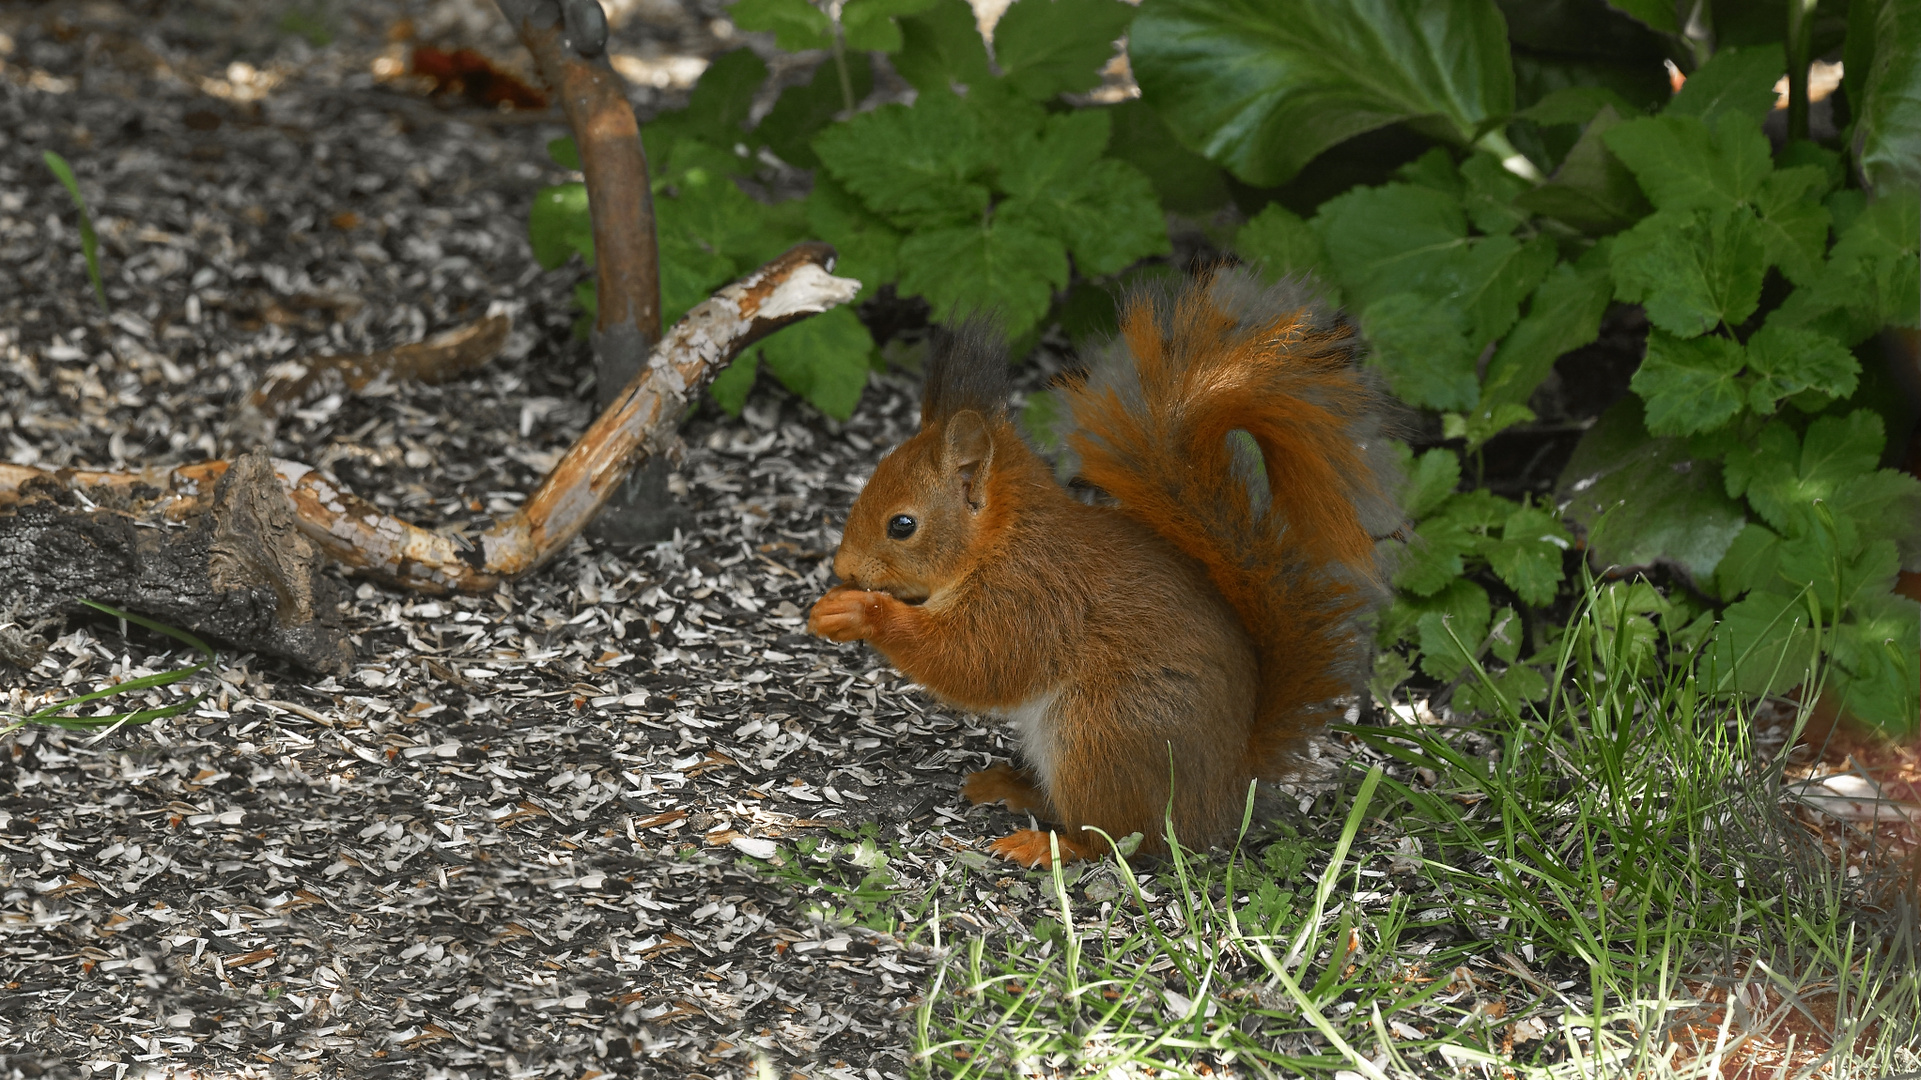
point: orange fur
(1160, 652)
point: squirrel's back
(1233, 420)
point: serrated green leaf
(998, 267)
(1283, 245)
(942, 48)
(1431, 481)
(870, 26)
(1783, 485)
(1591, 190)
(825, 359)
(921, 167)
(1435, 558)
(1690, 385)
(1576, 105)
(1879, 676)
(1764, 645)
(1872, 278)
(1692, 270)
(1434, 169)
(1682, 164)
(1775, 447)
(789, 127)
(1645, 500)
(1738, 81)
(1750, 562)
(867, 246)
(1821, 561)
(1564, 314)
(1372, 234)
(1262, 89)
(1477, 510)
(1052, 47)
(1528, 555)
(1881, 505)
(1453, 634)
(1483, 422)
(1504, 635)
(1463, 600)
(796, 24)
(1422, 348)
(1795, 235)
(1888, 130)
(1491, 194)
(559, 225)
(1788, 360)
(1106, 214)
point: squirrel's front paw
(1030, 848)
(845, 614)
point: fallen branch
(233, 550)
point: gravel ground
(510, 842)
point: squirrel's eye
(901, 526)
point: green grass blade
(89, 241)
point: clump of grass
(1602, 884)
(89, 241)
(55, 715)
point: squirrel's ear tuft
(966, 369)
(967, 449)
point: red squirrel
(1199, 622)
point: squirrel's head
(911, 531)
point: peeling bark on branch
(232, 551)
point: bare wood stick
(641, 422)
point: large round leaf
(1261, 86)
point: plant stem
(1798, 45)
(840, 64)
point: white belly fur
(1032, 723)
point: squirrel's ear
(969, 450)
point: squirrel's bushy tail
(1286, 533)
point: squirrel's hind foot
(1030, 848)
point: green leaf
(797, 24)
(870, 26)
(1690, 385)
(1872, 278)
(789, 127)
(1430, 482)
(89, 241)
(1834, 576)
(1877, 677)
(1564, 315)
(1788, 361)
(1186, 182)
(866, 244)
(1104, 211)
(1887, 132)
(1504, 635)
(1656, 14)
(1794, 227)
(1764, 644)
(1423, 350)
(1492, 191)
(564, 153)
(1373, 233)
(1591, 190)
(997, 267)
(1435, 558)
(1283, 245)
(824, 359)
(731, 387)
(1528, 555)
(1692, 270)
(1646, 500)
(1735, 81)
(1683, 165)
(1783, 484)
(942, 48)
(1460, 618)
(559, 225)
(1052, 47)
(1577, 105)
(921, 167)
(1750, 562)
(1263, 88)
(716, 111)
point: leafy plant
(53, 715)
(1748, 457)
(89, 242)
